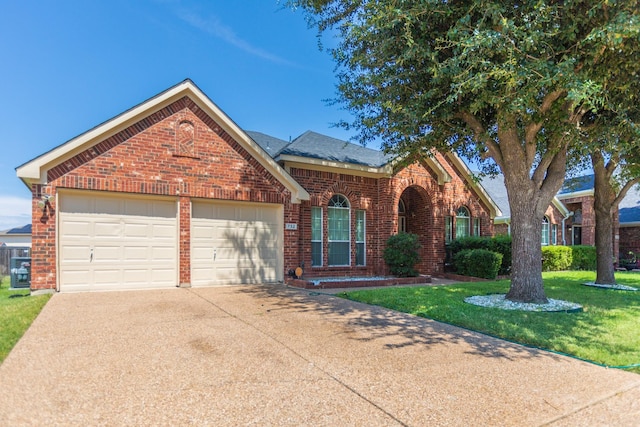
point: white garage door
(109, 242)
(234, 242)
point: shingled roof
(317, 146)
(629, 208)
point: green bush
(556, 258)
(498, 244)
(477, 263)
(584, 257)
(402, 253)
(502, 245)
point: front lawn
(606, 332)
(17, 310)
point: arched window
(545, 231)
(402, 217)
(339, 225)
(463, 222)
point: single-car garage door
(116, 242)
(235, 242)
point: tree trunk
(603, 200)
(526, 250)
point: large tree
(609, 190)
(506, 80)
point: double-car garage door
(116, 242)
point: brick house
(173, 193)
(570, 220)
(629, 225)
(554, 230)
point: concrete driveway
(268, 355)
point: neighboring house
(573, 215)
(577, 196)
(629, 215)
(173, 193)
(16, 237)
(554, 231)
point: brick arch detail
(419, 186)
(338, 188)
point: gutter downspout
(564, 240)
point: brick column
(184, 222)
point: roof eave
(494, 210)
(330, 165)
(35, 171)
(571, 195)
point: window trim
(402, 216)
(448, 229)
(330, 209)
(321, 241)
(362, 242)
(467, 219)
(545, 235)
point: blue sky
(71, 65)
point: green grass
(17, 311)
(606, 332)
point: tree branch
(481, 135)
(532, 129)
(621, 195)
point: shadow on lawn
(393, 329)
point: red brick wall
(180, 152)
(150, 158)
(629, 241)
(588, 223)
(427, 203)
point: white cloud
(218, 29)
(14, 211)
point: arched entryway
(415, 215)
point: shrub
(402, 253)
(556, 258)
(584, 257)
(498, 244)
(502, 245)
(478, 263)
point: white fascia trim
(582, 193)
(560, 206)
(464, 169)
(630, 224)
(340, 167)
(35, 171)
(434, 164)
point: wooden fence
(6, 253)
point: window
(545, 231)
(361, 229)
(339, 225)
(554, 234)
(463, 222)
(402, 217)
(316, 236)
(448, 229)
(476, 226)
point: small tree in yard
(402, 253)
(501, 80)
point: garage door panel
(76, 253)
(102, 228)
(246, 239)
(160, 255)
(129, 238)
(163, 231)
